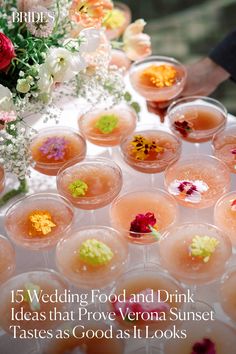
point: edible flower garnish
(204, 347)
(107, 123)
(41, 221)
(159, 76)
(192, 190)
(233, 205)
(203, 246)
(54, 148)
(95, 253)
(31, 296)
(142, 147)
(144, 223)
(139, 307)
(78, 188)
(183, 127)
(233, 151)
(114, 19)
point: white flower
(45, 81)
(44, 26)
(91, 39)
(62, 64)
(192, 190)
(22, 85)
(137, 44)
(6, 103)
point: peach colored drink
(153, 284)
(150, 151)
(195, 253)
(17, 295)
(224, 144)
(2, 179)
(197, 181)
(117, 20)
(91, 184)
(158, 79)
(107, 127)
(92, 257)
(203, 337)
(120, 60)
(196, 119)
(228, 293)
(130, 211)
(225, 215)
(39, 220)
(73, 345)
(7, 259)
(52, 147)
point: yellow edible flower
(142, 147)
(160, 75)
(41, 221)
(114, 19)
(203, 246)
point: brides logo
(33, 16)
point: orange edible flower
(89, 13)
(159, 76)
(41, 221)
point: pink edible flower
(142, 223)
(191, 189)
(204, 347)
(7, 117)
(233, 205)
(233, 151)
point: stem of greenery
(23, 188)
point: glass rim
(222, 131)
(84, 199)
(226, 195)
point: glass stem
(46, 259)
(145, 255)
(92, 217)
(152, 179)
(197, 148)
(147, 347)
(23, 188)
(193, 290)
(110, 152)
(38, 346)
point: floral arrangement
(65, 51)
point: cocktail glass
(146, 302)
(159, 80)
(195, 253)
(196, 119)
(7, 259)
(24, 294)
(224, 145)
(225, 215)
(2, 179)
(107, 127)
(54, 146)
(198, 180)
(143, 215)
(117, 20)
(90, 184)
(120, 60)
(150, 150)
(228, 293)
(92, 257)
(38, 221)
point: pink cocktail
(107, 127)
(143, 214)
(158, 79)
(92, 257)
(197, 181)
(2, 179)
(195, 253)
(117, 20)
(27, 293)
(78, 342)
(7, 259)
(228, 293)
(39, 220)
(224, 144)
(150, 151)
(214, 337)
(90, 184)
(52, 147)
(147, 301)
(196, 119)
(225, 215)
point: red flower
(233, 205)
(233, 151)
(204, 347)
(142, 223)
(183, 127)
(7, 51)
